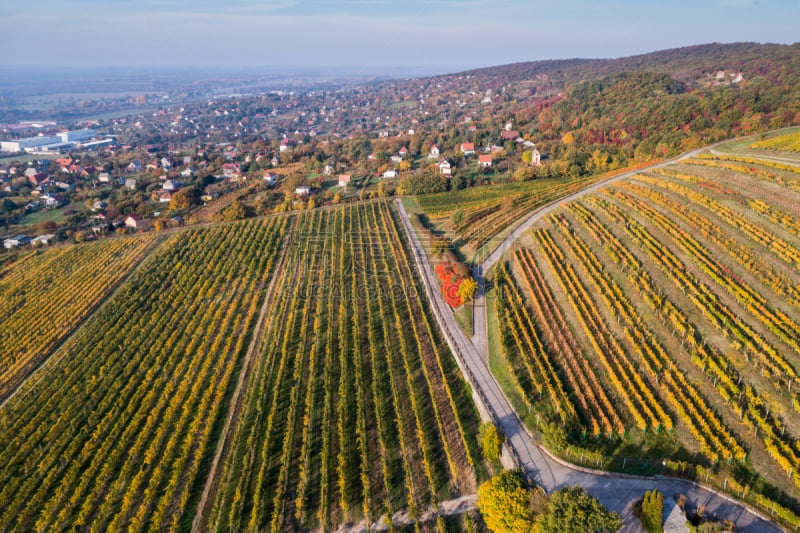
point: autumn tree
(572, 510)
(504, 503)
(183, 198)
(235, 211)
(492, 440)
(652, 511)
(46, 226)
(466, 289)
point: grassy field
(668, 307)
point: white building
(76, 136)
(30, 142)
(19, 240)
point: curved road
(616, 491)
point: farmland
(473, 217)
(355, 408)
(45, 295)
(787, 142)
(666, 304)
(113, 435)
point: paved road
(615, 491)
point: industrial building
(40, 144)
(20, 145)
(77, 136)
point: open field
(44, 296)
(667, 303)
(115, 432)
(355, 408)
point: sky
(444, 35)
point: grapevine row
(727, 380)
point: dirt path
(212, 482)
(458, 506)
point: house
(485, 161)
(166, 164)
(165, 197)
(391, 173)
(328, 170)
(187, 172)
(170, 185)
(270, 178)
(536, 158)
(230, 169)
(467, 148)
(19, 240)
(135, 220)
(104, 177)
(41, 240)
(509, 135)
(98, 204)
(403, 152)
(303, 190)
(52, 200)
(286, 144)
(397, 158)
(434, 152)
(37, 178)
(444, 167)
(130, 184)
(134, 166)
(276, 161)
(344, 180)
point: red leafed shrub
(450, 283)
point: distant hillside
(751, 58)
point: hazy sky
(429, 33)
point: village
(230, 158)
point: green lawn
(56, 215)
(464, 318)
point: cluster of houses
(485, 158)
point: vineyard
(789, 142)
(355, 408)
(44, 296)
(113, 435)
(484, 212)
(667, 302)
